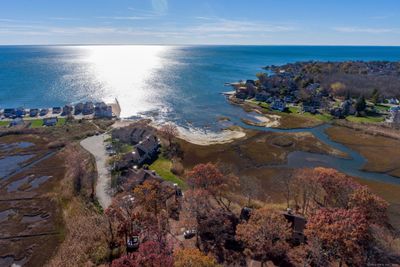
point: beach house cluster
(50, 116)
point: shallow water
(10, 164)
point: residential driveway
(95, 145)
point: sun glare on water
(125, 73)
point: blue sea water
(182, 84)
(175, 83)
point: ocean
(181, 84)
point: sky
(252, 22)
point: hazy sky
(325, 22)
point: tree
(375, 96)
(337, 187)
(150, 254)
(208, 177)
(343, 234)
(338, 89)
(262, 77)
(305, 188)
(150, 196)
(360, 105)
(191, 257)
(169, 131)
(265, 235)
(374, 207)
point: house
(148, 148)
(394, 116)
(17, 122)
(56, 110)
(20, 112)
(137, 177)
(297, 224)
(101, 110)
(88, 108)
(131, 135)
(67, 110)
(50, 121)
(393, 101)
(308, 108)
(9, 112)
(78, 109)
(43, 112)
(143, 152)
(33, 112)
(278, 105)
(262, 96)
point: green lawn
(382, 108)
(323, 117)
(61, 121)
(36, 123)
(367, 119)
(4, 123)
(163, 168)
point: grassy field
(61, 121)
(380, 152)
(368, 119)
(4, 123)
(163, 168)
(36, 123)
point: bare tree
(169, 131)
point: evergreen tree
(375, 96)
(361, 105)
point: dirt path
(95, 145)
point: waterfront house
(9, 112)
(308, 108)
(49, 122)
(262, 96)
(56, 110)
(33, 112)
(43, 112)
(393, 101)
(20, 112)
(67, 110)
(101, 110)
(88, 108)
(131, 135)
(78, 109)
(148, 147)
(278, 105)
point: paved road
(95, 145)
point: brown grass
(382, 153)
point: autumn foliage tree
(218, 184)
(191, 257)
(150, 254)
(149, 196)
(373, 207)
(342, 234)
(265, 235)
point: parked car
(188, 234)
(132, 244)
